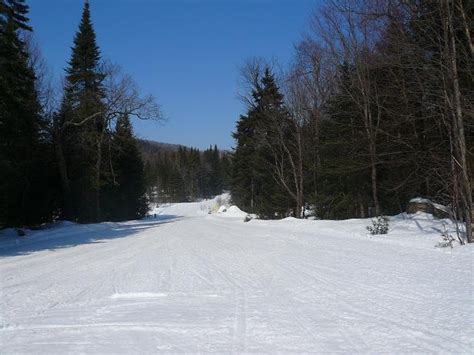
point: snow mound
(222, 209)
(190, 209)
(290, 219)
(234, 211)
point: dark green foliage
(78, 137)
(211, 174)
(185, 174)
(344, 185)
(102, 174)
(226, 170)
(254, 186)
(125, 199)
(27, 194)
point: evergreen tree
(216, 175)
(126, 199)
(254, 184)
(226, 170)
(243, 188)
(344, 186)
(194, 166)
(25, 198)
(211, 173)
(80, 127)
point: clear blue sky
(184, 52)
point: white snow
(189, 281)
(421, 200)
(429, 202)
(235, 212)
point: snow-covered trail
(192, 282)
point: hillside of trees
(176, 173)
(376, 108)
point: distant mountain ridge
(149, 146)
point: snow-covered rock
(425, 205)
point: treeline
(78, 159)
(186, 174)
(377, 108)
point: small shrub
(446, 241)
(379, 226)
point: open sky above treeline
(187, 53)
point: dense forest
(376, 108)
(181, 174)
(76, 159)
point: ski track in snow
(192, 282)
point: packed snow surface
(190, 281)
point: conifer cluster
(186, 174)
(80, 163)
(26, 182)
(255, 187)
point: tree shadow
(426, 229)
(68, 236)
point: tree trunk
(97, 182)
(373, 176)
(252, 205)
(64, 178)
(373, 157)
(458, 125)
(98, 173)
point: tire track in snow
(331, 293)
(239, 336)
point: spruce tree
(254, 187)
(344, 175)
(226, 170)
(23, 144)
(126, 199)
(194, 165)
(80, 127)
(211, 173)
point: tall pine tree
(23, 145)
(80, 127)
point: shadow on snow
(59, 237)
